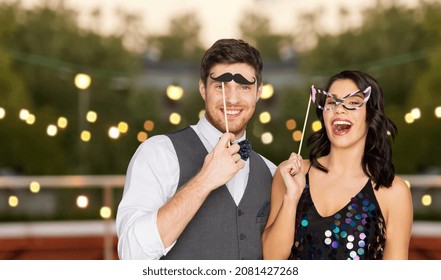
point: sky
(219, 19)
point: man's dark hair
(231, 51)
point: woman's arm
(286, 190)
(399, 218)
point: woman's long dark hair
(377, 158)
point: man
(189, 194)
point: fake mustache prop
(228, 77)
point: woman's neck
(344, 161)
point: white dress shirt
(151, 180)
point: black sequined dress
(356, 232)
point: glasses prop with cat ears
(327, 101)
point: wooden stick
(304, 125)
(225, 111)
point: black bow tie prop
(245, 149)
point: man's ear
(202, 90)
(259, 92)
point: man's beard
(219, 123)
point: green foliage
(257, 31)
(41, 50)
(182, 41)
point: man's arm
(151, 216)
(151, 180)
(219, 167)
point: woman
(345, 202)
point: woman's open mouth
(340, 127)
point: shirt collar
(210, 133)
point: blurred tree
(42, 49)
(256, 30)
(22, 148)
(424, 133)
(180, 43)
(48, 49)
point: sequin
(355, 232)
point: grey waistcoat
(220, 229)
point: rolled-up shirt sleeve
(151, 181)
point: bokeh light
(2, 113)
(62, 122)
(265, 117)
(82, 81)
(82, 201)
(426, 200)
(34, 187)
(267, 138)
(114, 132)
(438, 112)
(297, 135)
(52, 130)
(175, 118)
(149, 125)
(174, 92)
(123, 127)
(91, 116)
(316, 126)
(142, 136)
(416, 113)
(23, 115)
(30, 119)
(408, 118)
(267, 91)
(13, 201)
(291, 124)
(105, 212)
(85, 136)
